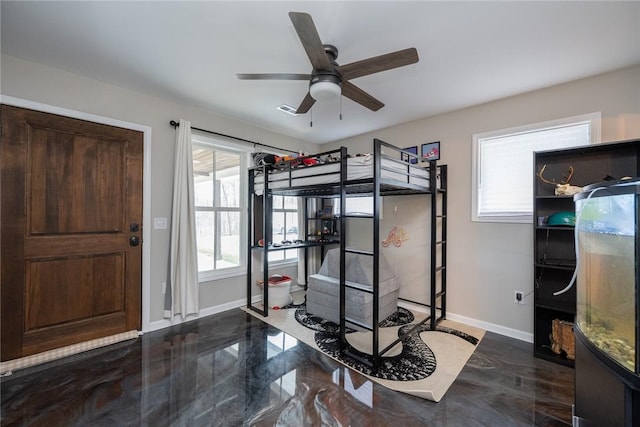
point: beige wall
(488, 261)
(37, 83)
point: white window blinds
(504, 167)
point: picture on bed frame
(406, 158)
(327, 212)
(430, 151)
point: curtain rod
(176, 124)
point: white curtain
(184, 253)
(313, 260)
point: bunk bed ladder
(374, 361)
(375, 322)
(438, 181)
(343, 231)
(438, 214)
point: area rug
(423, 364)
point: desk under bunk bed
(390, 171)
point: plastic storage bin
(279, 291)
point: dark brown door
(70, 214)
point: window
(503, 164)
(220, 191)
(355, 206)
(285, 226)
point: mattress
(357, 168)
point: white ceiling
(190, 52)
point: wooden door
(71, 200)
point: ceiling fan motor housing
(328, 77)
(331, 51)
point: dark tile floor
(232, 369)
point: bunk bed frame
(393, 174)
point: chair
(323, 290)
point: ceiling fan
(328, 79)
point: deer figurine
(563, 188)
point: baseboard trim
(487, 326)
(165, 323)
(492, 327)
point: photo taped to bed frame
(406, 158)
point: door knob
(134, 241)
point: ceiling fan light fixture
(325, 87)
(322, 91)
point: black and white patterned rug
(424, 364)
(319, 324)
(416, 361)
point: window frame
(286, 261)
(211, 142)
(594, 121)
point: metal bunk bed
(392, 174)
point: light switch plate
(159, 223)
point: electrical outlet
(164, 288)
(518, 297)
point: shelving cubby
(554, 245)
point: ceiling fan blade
(377, 64)
(310, 39)
(356, 94)
(274, 76)
(306, 104)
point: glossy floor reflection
(232, 369)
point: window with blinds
(503, 164)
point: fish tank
(606, 232)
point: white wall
(488, 261)
(37, 83)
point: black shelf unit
(325, 228)
(260, 205)
(306, 244)
(554, 246)
(321, 230)
(400, 181)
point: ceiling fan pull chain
(311, 118)
(341, 108)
